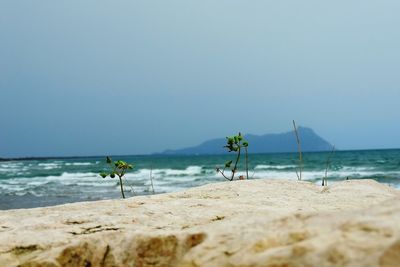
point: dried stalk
(151, 179)
(300, 154)
(247, 164)
(325, 179)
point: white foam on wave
(49, 166)
(12, 167)
(64, 178)
(357, 169)
(94, 184)
(11, 164)
(66, 182)
(189, 171)
(167, 179)
(276, 167)
(311, 175)
(78, 164)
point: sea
(47, 182)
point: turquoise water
(34, 183)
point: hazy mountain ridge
(267, 143)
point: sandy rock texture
(242, 223)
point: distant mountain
(268, 143)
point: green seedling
(118, 168)
(234, 144)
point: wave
(313, 175)
(12, 167)
(169, 179)
(356, 169)
(79, 164)
(274, 167)
(49, 166)
(189, 171)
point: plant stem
(247, 164)
(122, 187)
(223, 174)
(151, 179)
(299, 148)
(325, 180)
(235, 167)
(297, 174)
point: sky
(135, 77)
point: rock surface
(243, 223)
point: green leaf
(245, 144)
(230, 140)
(103, 174)
(229, 147)
(228, 164)
(120, 164)
(112, 175)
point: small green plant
(235, 144)
(118, 168)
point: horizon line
(23, 158)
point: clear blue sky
(127, 77)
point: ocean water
(35, 183)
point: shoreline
(9, 203)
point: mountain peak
(267, 143)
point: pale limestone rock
(243, 223)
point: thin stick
(325, 180)
(151, 179)
(294, 162)
(297, 174)
(247, 164)
(299, 148)
(132, 190)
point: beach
(199, 133)
(260, 222)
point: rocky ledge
(243, 223)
